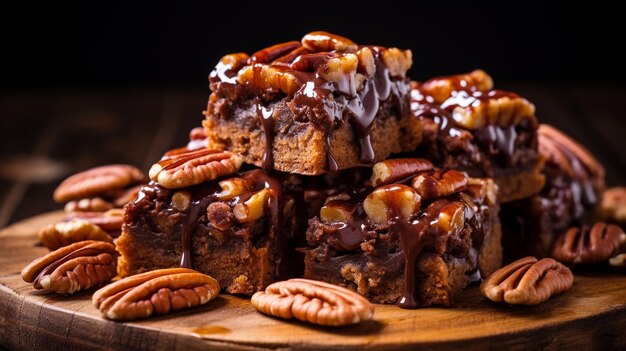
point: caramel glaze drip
(338, 100)
(205, 194)
(417, 235)
(496, 140)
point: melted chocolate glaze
(495, 140)
(205, 194)
(339, 101)
(417, 234)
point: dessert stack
(320, 159)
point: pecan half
(588, 245)
(110, 221)
(72, 268)
(95, 204)
(613, 205)
(527, 281)
(323, 41)
(155, 292)
(54, 236)
(393, 200)
(441, 88)
(431, 185)
(97, 181)
(393, 170)
(314, 302)
(181, 167)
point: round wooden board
(592, 315)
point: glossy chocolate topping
(571, 167)
(440, 100)
(327, 75)
(422, 232)
(204, 194)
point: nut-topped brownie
(416, 238)
(199, 213)
(317, 105)
(471, 127)
(570, 197)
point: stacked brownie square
(323, 160)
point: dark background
(87, 44)
(86, 84)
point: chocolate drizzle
(417, 235)
(265, 115)
(495, 140)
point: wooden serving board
(590, 316)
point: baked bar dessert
(236, 227)
(570, 197)
(322, 104)
(417, 238)
(470, 127)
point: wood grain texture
(590, 316)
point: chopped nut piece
(232, 188)
(336, 211)
(393, 170)
(431, 185)
(397, 61)
(314, 302)
(180, 200)
(220, 215)
(367, 65)
(613, 206)
(268, 78)
(390, 201)
(253, 208)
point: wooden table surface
(45, 136)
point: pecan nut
(323, 41)
(393, 170)
(588, 245)
(435, 184)
(155, 292)
(95, 204)
(527, 281)
(180, 168)
(441, 88)
(72, 268)
(110, 221)
(613, 205)
(54, 236)
(618, 260)
(97, 181)
(393, 200)
(314, 302)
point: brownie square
(239, 230)
(322, 104)
(417, 241)
(471, 127)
